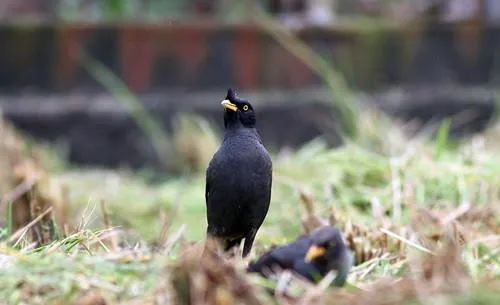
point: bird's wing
(207, 190)
(307, 270)
(286, 255)
(208, 178)
(264, 265)
(283, 257)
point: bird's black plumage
(238, 178)
(312, 257)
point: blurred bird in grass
(309, 256)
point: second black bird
(311, 257)
(238, 178)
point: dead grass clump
(91, 297)
(435, 250)
(428, 229)
(208, 278)
(310, 220)
(30, 198)
(441, 274)
(365, 243)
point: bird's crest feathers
(231, 95)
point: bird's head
(328, 248)
(237, 111)
(326, 244)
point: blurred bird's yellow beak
(228, 105)
(314, 252)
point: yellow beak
(228, 105)
(314, 252)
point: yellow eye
(245, 107)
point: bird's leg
(247, 246)
(232, 243)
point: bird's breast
(244, 152)
(242, 165)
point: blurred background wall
(415, 59)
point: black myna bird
(311, 257)
(238, 178)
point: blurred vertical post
(51, 9)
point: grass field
(119, 250)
